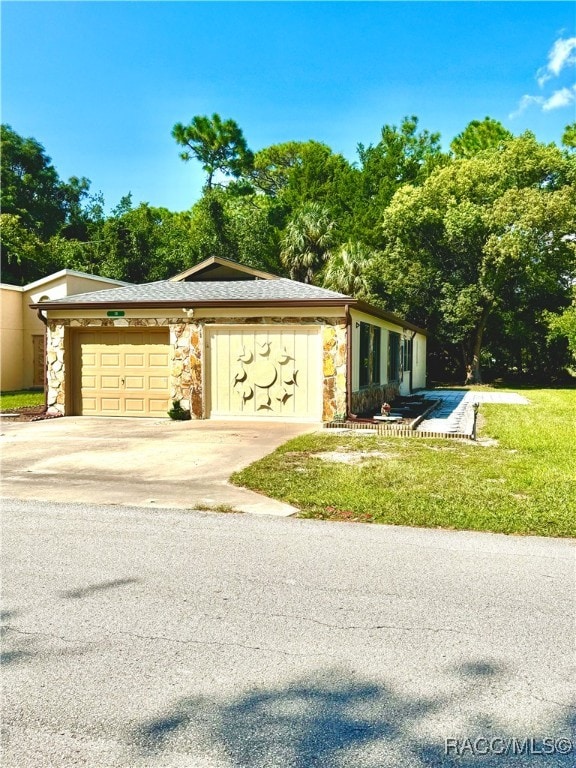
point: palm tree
(307, 241)
(347, 270)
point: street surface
(155, 638)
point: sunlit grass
(23, 398)
(519, 478)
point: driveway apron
(143, 462)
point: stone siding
(334, 359)
(372, 398)
(186, 364)
(56, 369)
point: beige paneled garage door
(262, 371)
(122, 372)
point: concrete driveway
(142, 462)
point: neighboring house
(22, 331)
(227, 341)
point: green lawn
(20, 399)
(519, 478)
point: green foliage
(569, 136)
(177, 413)
(479, 135)
(347, 270)
(563, 325)
(218, 144)
(307, 241)
(476, 246)
(522, 484)
(482, 233)
(402, 156)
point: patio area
(455, 413)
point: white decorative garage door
(263, 371)
(122, 372)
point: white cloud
(560, 56)
(560, 98)
(524, 103)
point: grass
(23, 398)
(519, 478)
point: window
(393, 356)
(370, 354)
(407, 354)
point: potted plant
(177, 413)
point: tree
(347, 270)
(479, 135)
(273, 166)
(218, 144)
(402, 156)
(32, 190)
(563, 325)
(569, 136)
(24, 255)
(486, 232)
(307, 241)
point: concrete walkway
(140, 462)
(455, 414)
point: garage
(225, 341)
(264, 372)
(121, 372)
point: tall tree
(218, 144)
(307, 241)
(479, 135)
(347, 270)
(31, 188)
(484, 232)
(403, 155)
(569, 136)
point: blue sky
(100, 84)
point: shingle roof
(218, 291)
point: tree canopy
(218, 144)
(477, 245)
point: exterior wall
(19, 324)
(11, 338)
(419, 362)
(187, 375)
(371, 398)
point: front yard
(24, 398)
(519, 478)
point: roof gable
(217, 269)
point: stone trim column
(186, 367)
(56, 369)
(334, 354)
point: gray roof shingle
(204, 291)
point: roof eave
(370, 309)
(189, 304)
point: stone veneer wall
(187, 343)
(372, 398)
(56, 372)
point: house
(22, 331)
(227, 341)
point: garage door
(265, 372)
(122, 372)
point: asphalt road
(169, 639)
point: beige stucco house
(22, 331)
(227, 341)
